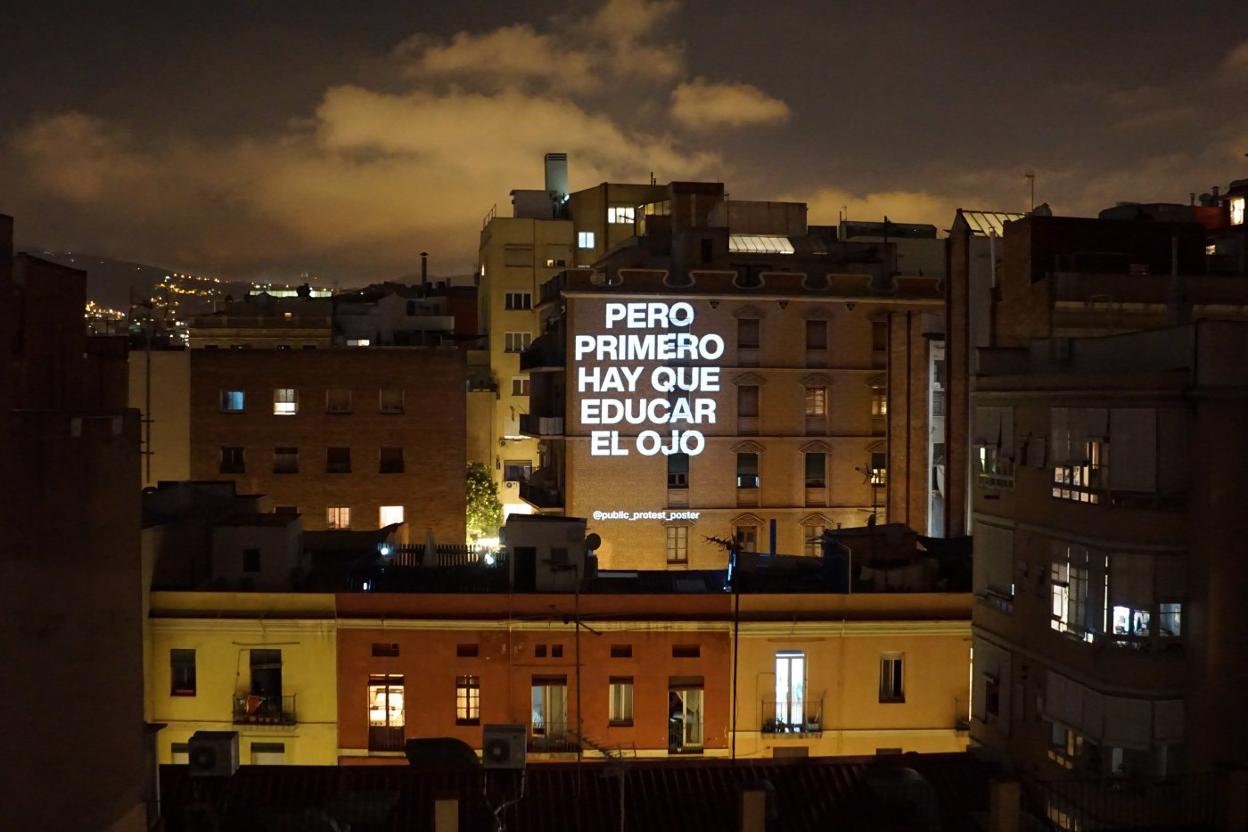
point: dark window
(747, 400)
(182, 672)
(891, 678)
(747, 333)
(816, 468)
(251, 560)
(686, 651)
(678, 471)
(285, 460)
(992, 698)
(390, 400)
(232, 461)
(266, 674)
(467, 650)
(286, 509)
(879, 335)
(816, 335)
(556, 651)
(338, 400)
(706, 250)
(391, 461)
(747, 470)
(337, 460)
(518, 300)
(383, 649)
(540, 651)
(517, 470)
(621, 651)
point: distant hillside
(109, 282)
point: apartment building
(1104, 489)
(796, 367)
(347, 438)
(550, 230)
(266, 321)
(71, 589)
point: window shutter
(1133, 445)
(994, 559)
(1131, 581)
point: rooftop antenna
(1030, 176)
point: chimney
(557, 176)
(424, 272)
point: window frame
(621, 693)
(391, 467)
(177, 668)
(285, 401)
(467, 699)
(389, 408)
(226, 396)
(337, 468)
(892, 678)
(586, 240)
(677, 542)
(338, 517)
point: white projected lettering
(623, 393)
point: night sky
(272, 137)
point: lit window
(1131, 622)
(1170, 622)
(285, 401)
(338, 517)
(358, 342)
(1237, 211)
(391, 461)
(747, 470)
(621, 214)
(182, 672)
(337, 460)
(879, 468)
(467, 700)
(556, 263)
(892, 677)
(519, 386)
(518, 300)
(879, 402)
(549, 714)
(789, 713)
(621, 704)
(390, 400)
(816, 401)
(517, 341)
(677, 544)
(385, 713)
(584, 239)
(232, 401)
(1077, 607)
(285, 460)
(232, 461)
(391, 515)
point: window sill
(901, 701)
(620, 723)
(189, 693)
(467, 721)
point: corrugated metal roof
(759, 244)
(812, 794)
(984, 223)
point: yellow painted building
(261, 664)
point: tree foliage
(485, 510)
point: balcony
(792, 718)
(547, 352)
(253, 709)
(541, 495)
(552, 738)
(531, 425)
(385, 738)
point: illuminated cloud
(702, 104)
(1236, 61)
(826, 205)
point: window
(686, 651)
(338, 517)
(747, 470)
(992, 698)
(816, 469)
(1170, 622)
(816, 335)
(251, 560)
(891, 678)
(385, 649)
(467, 700)
(180, 752)
(268, 753)
(556, 651)
(584, 239)
(879, 401)
(337, 460)
(747, 333)
(621, 651)
(232, 461)
(549, 713)
(232, 401)
(812, 538)
(1237, 210)
(390, 400)
(385, 713)
(285, 460)
(517, 470)
(518, 300)
(517, 255)
(879, 336)
(994, 446)
(391, 461)
(678, 471)
(467, 651)
(390, 515)
(790, 704)
(285, 401)
(337, 400)
(879, 468)
(747, 401)
(181, 672)
(1080, 453)
(620, 712)
(519, 386)
(621, 214)
(359, 342)
(1074, 609)
(539, 651)
(677, 544)
(816, 401)
(517, 341)
(556, 262)
(746, 537)
(684, 715)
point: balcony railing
(551, 738)
(541, 496)
(793, 718)
(254, 709)
(385, 738)
(531, 425)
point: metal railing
(531, 425)
(802, 717)
(1114, 803)
(449, 555)
(540, 495)
(255, 709)
(553, 737)
(385, 738)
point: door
(790, 690)
(685, 720)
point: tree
(485, 511)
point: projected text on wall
(616, 372)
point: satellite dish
(592, 542)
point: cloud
(825, 206)
(702, 104)
(1236, 61)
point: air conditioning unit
(213, 753)
(503, 746)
